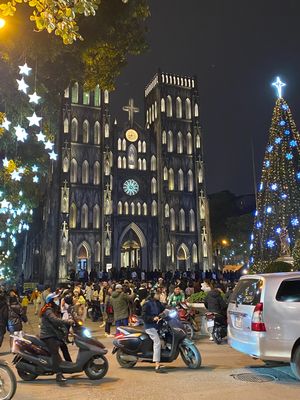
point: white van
(264, 317)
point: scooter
(132, 344)
(215, 327)
(187, 317)
(33, 357)
(8, 382)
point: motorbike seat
(36, 340)
(133, 329)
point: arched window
(74, 130)
(169, 106)
(153, 163)
(155, 109)
(144, 164)
(180, 180)
(106, 130)
(98, 252)
(154, 208)
(97, 133)
(73, 216)
(181, 220)
(167, 211)
(144, 147)
(124, 145)
(124, 162)
(85, 131)
(119, 144)
(169, 249)
(139, 146)
(188, 110)
(190, 181)
(66, 125)
(145, 211)
(132, 209)
(74, 95)
(196, 111)
(97, 173)
(164, 137)
(147, 117)
(106, 97)
(152, 112)
(189, 143)
(65, 164)
(97, 96)
(84, 217)
(162, 105)
(139, 164)
(96, 217)
(171, 179)
(192, 222)
(172, 220)
(194, 254)
(132, 157)
(86, 98)
(179, 143)
(139, 208)
(166, 174)
(119, 162)
(70, 252)
(85, 172)
(170, 142)
(198, 142)
(73, 172)
(120, 208)
(153, 186)
(178, 107)
(126, 208)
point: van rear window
(247, 292)
(289, 290)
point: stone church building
(126, 196)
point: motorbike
(32, 357)
(216, 327)
(187, 317)
(133, 344)
(8, 382)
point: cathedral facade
(125, 195)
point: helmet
(51, 297)
(68, 299)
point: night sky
(236, 48)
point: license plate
(210, 323)
(238, 322)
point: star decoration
(34, 120)
(41, 137)
(53, 155)
(5, 124)
(15, 176)
(21, 170)
(35, 179)
(35, 168)
(4, 204)
(22, 85)
(20, 133)
(24, 69)
(34, 98)
(48, 145)
(5, 162)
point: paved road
(214, 380)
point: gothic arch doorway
(132, 248)
(83, 257)
(183, 258)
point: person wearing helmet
(53, 331)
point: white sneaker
(211, 339)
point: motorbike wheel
(8, 383)
(96, 368)
(190, 355)
(217, 336)
(189, 330)
(124, 363)
(26, 376)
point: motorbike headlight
(173, 314)
(87, 333)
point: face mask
(56, 301)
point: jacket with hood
(16, 315)
(214, 302)
(120, 302)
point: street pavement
(215, 379)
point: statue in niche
(107, 200)
(107, 240)
(202, 205)
(65, 198)
(285, 250)
(200, 171)
(64, 239)
(204, 242)
(132, 157)
(107, 163)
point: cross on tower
(131, 110)
(279, 85)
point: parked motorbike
(187, 317)
(132, 344)
(216, 326)
(33, 357)
(8, 382)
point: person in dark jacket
(3, 316)
(16, 316)
(150, 314)
(215, 303)
(53, 331)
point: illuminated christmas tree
(277, 216)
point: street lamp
(2, 23)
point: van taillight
(257, 324)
